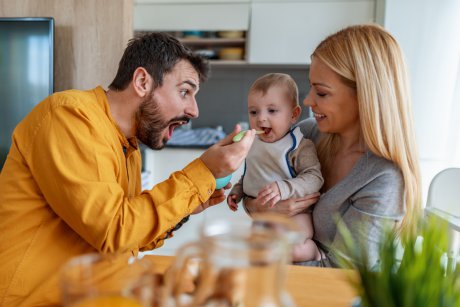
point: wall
(222, 100)
(90, 37)
(431, 45)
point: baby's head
(273, 106)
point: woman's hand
(288, 207)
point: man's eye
(183, 93)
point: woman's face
(334, 104)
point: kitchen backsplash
(222, 100)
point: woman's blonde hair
(369, 59)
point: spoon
(240, 135)
(222, 182)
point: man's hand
(216, 198)
(269, 195)
(224, 157)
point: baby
(281, 164)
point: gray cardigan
(366, 200)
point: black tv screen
(26, 71)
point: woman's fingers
(313, 196)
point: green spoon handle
(240, 135)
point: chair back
(444, 192)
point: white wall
(429, 33)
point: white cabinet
(286, 32)
(191, 15)
(277, 31)
(160, 164)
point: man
(71, 182)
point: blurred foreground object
(107, 280)
(235, 263)
(420, 279)
(444, 202)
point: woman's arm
(288, 207)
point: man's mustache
(185, 119)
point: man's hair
(264, 83)
(158, 53)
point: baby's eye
(272, 111)
(252, 113)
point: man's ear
(142, 82)
(295, 114)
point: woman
(364, 133)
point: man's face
(169, 106)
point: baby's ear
(296, 114)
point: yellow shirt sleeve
(79, 166)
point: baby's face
(273, 113)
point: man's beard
(151, 125)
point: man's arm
(84, 179)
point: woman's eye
(320, 94)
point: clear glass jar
(235, 263)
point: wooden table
(308, 286)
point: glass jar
(234, 263)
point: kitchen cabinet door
(178, 16)
(287, 32)
(160, 164)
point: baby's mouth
(266, 130)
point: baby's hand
(269, 195)
(232, 201)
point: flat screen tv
(26, 71)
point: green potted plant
(419, 279)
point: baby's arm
(308, 169)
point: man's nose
(192, 109)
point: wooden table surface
(308, 286)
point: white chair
(444, 202)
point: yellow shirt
(71, 185)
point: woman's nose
(307, 101)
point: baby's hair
(267, 81)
